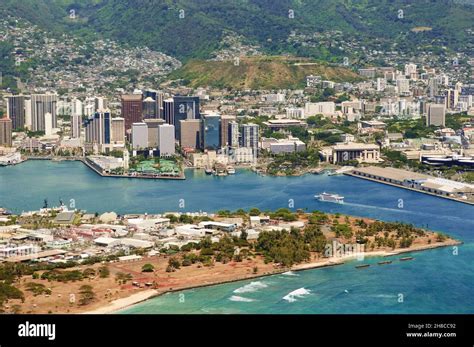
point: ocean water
(436, 281)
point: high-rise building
(132, 109)
(433, 87)
(98, 128)
(153, 124)
(16, 111)
(403, 86)
(250, 137)
(28, 121)
(190, 133)
(436, 115)
(234, 134)
(93, 104)
(410, 70)
(452, 98)
(225, 121)
(6, 132)
(211, 128)
(185, 107)
(77, 107)
(166, 140)
(76, 126)
(157, 96)
(168, 111)
(117, 130)
(149, 108)
(40, 105)
(48, 124)
(139, 136)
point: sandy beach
(136, 298)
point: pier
(439, 187)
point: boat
(406, 258)
(362, 266)
(326, 197)
(230, 170)
(384, 262)
(208, 171)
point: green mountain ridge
(259, 73)
(190, 29)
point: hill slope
(258, 73)
(192, 29)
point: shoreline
(467, 202)
(137, 298)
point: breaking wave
(251, 287)
(240, 299)
(296, 294)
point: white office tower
(76, 126)
(166, 142)
(40, 105)
(48, 124)
(139, 136)
(234, 134)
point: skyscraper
(48, 124)
(185, 107)
(139, 136)
(452, 98)
(225, 121)
(76, 126)
(190, 133)
(211, 128)
(234, 134)
(132, 109)
(149, 108)
(117, 127)
(250, 137)
(16, 110)
(40, 105)
(166, 140)
(97, 128)
(157, 96)
(6, 132)
(168, 111)
(152, 125)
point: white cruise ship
(326, 197)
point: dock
(421, 183)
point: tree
(174, 263)
(254, 212)
(148, 268)
(104, 272)
(87, 295)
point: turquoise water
(436, 281)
